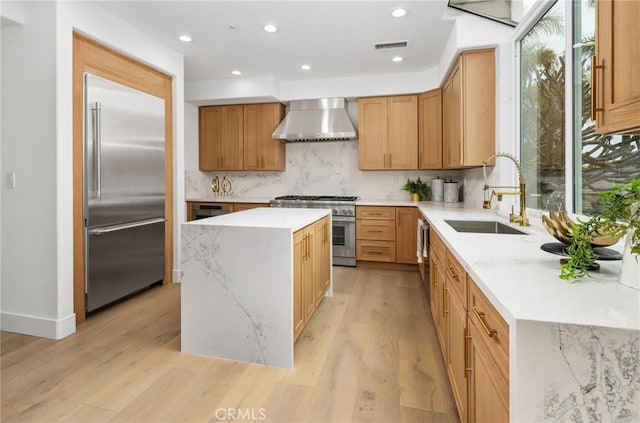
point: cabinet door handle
(445, 291)
(480, 315)
(390, 165)
(465, 339)
(594, 87)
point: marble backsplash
(324, 168)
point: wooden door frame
(90, 56)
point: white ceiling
(335, 37)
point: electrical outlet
(11, 180)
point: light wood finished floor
(369, 354)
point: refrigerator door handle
(106, 230)
(96, 109)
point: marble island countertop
(522, 280)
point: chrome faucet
(520, 218)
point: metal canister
(451, 194)
(437, 189)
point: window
(600, 160)
(597, 160)
(542, 110)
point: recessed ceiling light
(236, 72)
(305, 67)
(398, 13)
(185, 38)
(270, 28)
(398, 59)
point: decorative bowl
(560, 226)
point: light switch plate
(11, 180)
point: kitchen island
(573, 347)
(238, 296)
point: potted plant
(620, 204)
(419, 190)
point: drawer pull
(375, 232)
(480, 316)
(374, 214)
(375, 252)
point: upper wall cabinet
(261, 151)
(615, 103)
(239, 137)
(468, 110)
(430, 130)
(221, 137)
(388, 132)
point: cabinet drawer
(376, 250)
(457, 278)
(493, 328)
(376, 230)
(375, 212)
(436, 246)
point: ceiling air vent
(395, 44)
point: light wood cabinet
(221, 137)
(456, 347)
(386, 234)
(430, 130)
(488, 360)
(299, 274)
(406, 235)
(261, 151)
(468, 110)
(616, 79)
(238, 137)
(473, 337)
(437, 287)
(388, 132)
(311, 271)
(236, 207)
(322, 250)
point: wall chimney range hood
(323, 119)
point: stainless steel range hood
(323, 119)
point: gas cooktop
(315, 198)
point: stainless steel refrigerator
(123, 190)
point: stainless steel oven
(342, 217)
(344, 240)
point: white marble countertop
(281, 218)
(230, 199)
(522, 281)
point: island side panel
(237, 293)
(575, 373)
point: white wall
(29, 286)
(37, 241)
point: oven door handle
(343, 219)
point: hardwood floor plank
(414, 415)
(288, 403)
(377, 399)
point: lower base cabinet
(473, 337)
(488, 388)
(311, 271)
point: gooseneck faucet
(520, 218)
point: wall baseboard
(38, 326)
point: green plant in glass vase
(418, 187)
(619, 204)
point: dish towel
(422, 245)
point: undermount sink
(483, 227)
